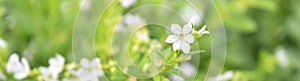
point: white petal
(195, 20)
(20, 76)
(13, 63)
(187, 29)
(60, 59)
(176, 29)
(127, 3)
(94, 78)
(53, 62)
(171, 39)
(176, 45)
(2, 43)
(202, 29)
(98, 72)
(25, 65)
(205, 32)
(185, 47)
(95, 63)
(14, 57)
(85, 62)
(189, 38)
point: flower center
(181, 36)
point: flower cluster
(87, 71)
(183, 37)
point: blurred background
(263, 38)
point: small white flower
(127, 3)
(2, 43)
(182, 37)
(133, 20)
(143, 36)
(48, 74)
(195, 20)
(203, 31)
(2, 76)
(90, 70)
(281, 55)
(176, 78)
(56, 63)
(191, 16)
(85, 5)
(55, 67)
(19, 69)
(188, 69)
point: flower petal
(176, 45)
(176, 29)
(185, 47)
(202, 29)
(187, 29)
(171, 39)
(189, 38)
(85, 62)
(25, 65)
(60, 59)
(95, 63)
(205, 32)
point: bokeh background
(263, 38)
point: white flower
(2, 43)
(48, 74)
(56, 63)
(127, 3)
(281, 55)
(2, 76)
(203, 31)
(133, 20)
(55, 67)
(90, 70)
(195, 20)
(143, 36)
(85, 4)
(176, 78)
(188, 69)
(19, 69)
(191, 16)
(182, 38)
(129, 21)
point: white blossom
(281, 55)
(203, 31)
(182, 37)
(132, 20)
(48, 74)
(2, 43)
(85, 5)
(19, 69)
(176, 78)
(90, 70)
(191, 16)
(127, 3)
(129, 21)
(188, 69)
(56, 65)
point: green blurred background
(263, 38)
